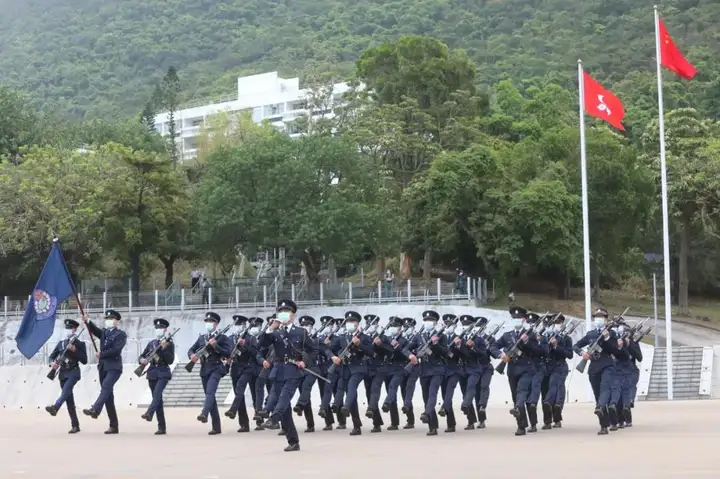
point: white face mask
(621, 329)
(309, 329)
(254, 331)
(68, 334)
(599, 323)
(557, 328)
(209, 326)
(428, 325)
(409, 331)
(460, 329)
(236, 329)
(391, 331)
(284, 316)
(109, 323)
(517, 323)
(159, 333)
(350, 327)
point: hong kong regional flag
(602, 104)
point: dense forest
(96, 57)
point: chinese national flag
(671, 57)
(602, 104)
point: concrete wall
(26, 385)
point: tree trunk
(405, 268)
(311, 268)
(380, 268)
(332, 270)
(135, 276)
(683, 265)
(427, 264)
(169, 264)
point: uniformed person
(327, 326)
(256, 325)
(621, 394)
(67, 356)
(454, 369)
(303, 406)
(383, 352)
(477, 369)
(394, 361)
(334, 374)
(432, 367)
(601, 368)
(373, 364)
(263, 384)
(112, 343)
(520, 369)
(244, 364)
(636, 356)
(412, 375)
(353, 367)
(560, 352)
(158, 374)
(482, 390)
(539, 351)
(212, 368)
(293, 348)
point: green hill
(100, 57)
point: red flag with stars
(601, 103)
(671, 57)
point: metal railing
(265, 295)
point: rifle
(235, 349)
(637, 327)
(594, 347)
(292, 361)
(573, 326)
(642, 334)
(202, 353)
(54, 372)
(426, 349)
(346, 350)
(473, 333)
(140, 370)
(514, 351)
(488, 337)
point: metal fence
(264, 296)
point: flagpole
(585, 214)
(665, 214)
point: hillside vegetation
(101, 57)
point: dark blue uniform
(384, 370)
(323, 364)
(352, 370)
(454, 373)
(303, 406)
(396, 377)
(412, 375)
(601, 372)
(636, 356)
(68, 374)
(212, 369)
(475, 386)
(245, 365)
(557, 367)
(110, 368)
(432, 367)
(158, 373)
(292, 344)
(621, 394)
(520, 372)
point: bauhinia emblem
(602, 106)
(44, 304)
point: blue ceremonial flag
(53, 287)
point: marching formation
(281, 356)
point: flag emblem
(44, 304)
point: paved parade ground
(676, 440)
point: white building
(267, 96)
